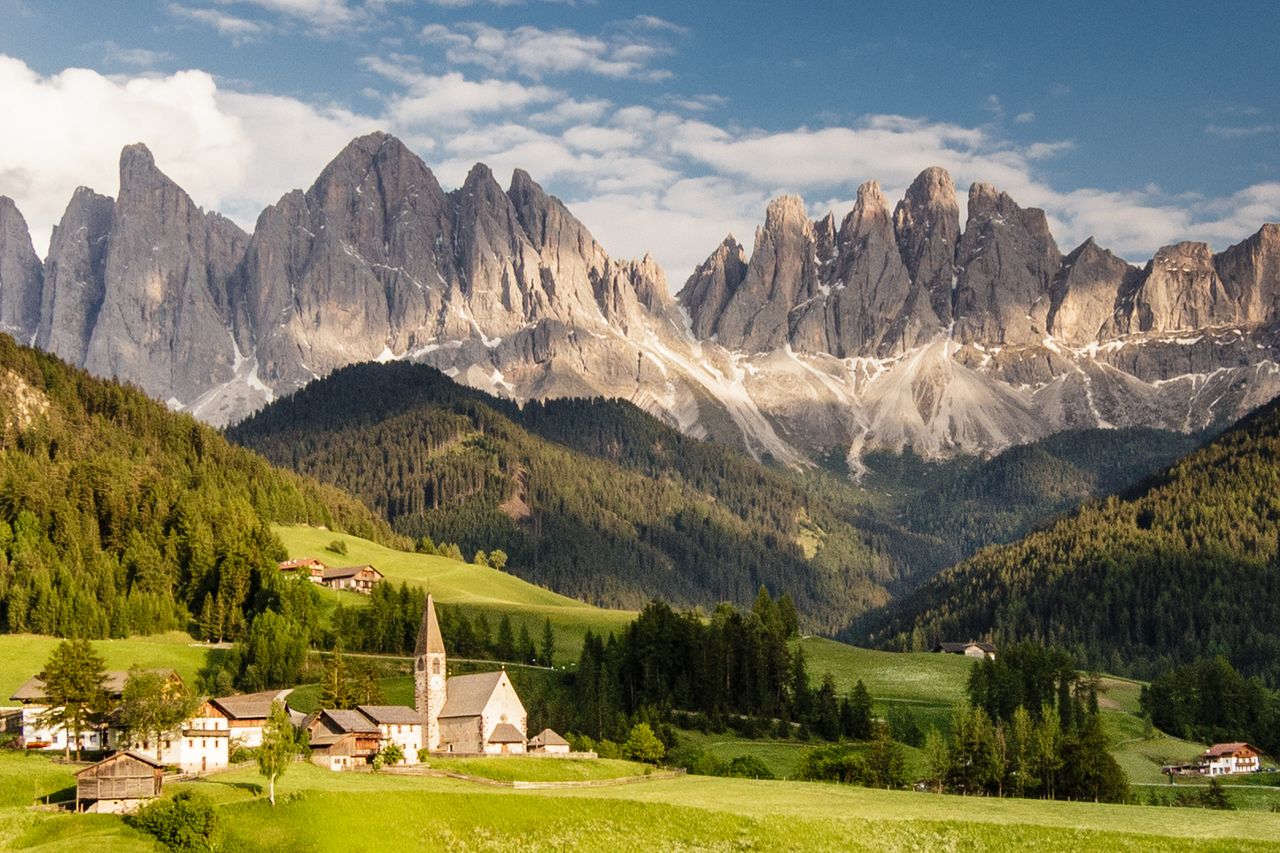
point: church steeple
(429, 639)
(429, 675)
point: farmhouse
(479, 713)
(1223, 759)
(118, 784)
(313, 568)
(548, 742)
(342, 739)
(971, 649)
(38, 733)
(354, 578)
(399, 724)
(247, 713)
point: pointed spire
(430, 640)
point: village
(477, 714)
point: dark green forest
(591, 498)
(597, 499)
(1181, 567)
(118, 516)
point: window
(435, 666)
(190, 743)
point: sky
(666, 125)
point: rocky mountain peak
(712, 284)
(1085, 293)
(927, 225)
(21, 275)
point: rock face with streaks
(887, 328)
(21, 275)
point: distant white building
(200, 743)
(548, 742)
(971, 649)
(1224, 759)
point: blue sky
(666, 125)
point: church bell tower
(429, 676)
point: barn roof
(123, 754)
(347, 572)
(466, 695)
(251, 706)
(390, 715)
(350, 721)
(506, 733)
(1218, 750)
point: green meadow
(474, 589)
(23, 655)
(323, 811)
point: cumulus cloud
(230, 151)
(449, 98)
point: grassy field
(24, 655)
(317, 811)
(540, 769)
(476, 589)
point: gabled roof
(1218, 750)
(251, 706)
(430, 640)
(348, 721)
(300, 563)
(958, 648)
(506, 733)
(391, 715)
(32, 690)
(128, 753)
(547, 737)
(347, 572)
(466, 695)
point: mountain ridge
(895, 328)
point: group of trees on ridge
(1185, 566)
(118, 516)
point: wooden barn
(118, 784)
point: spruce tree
(74, 679)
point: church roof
(506, 733)
(430, 641)
(466, 695)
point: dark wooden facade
(123, 776)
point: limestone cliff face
(1085, 293)
(75, 276)
(1007, 260)
(876, 330)
(927, 226)
(21, 275)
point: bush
(747, 767)
(337, 546)
(643, 745)
(187, 822)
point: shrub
(186, 822)
(643, 745)
(747, 767)
(337, 546)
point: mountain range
(893, 328)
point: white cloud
(238, 29)
(316, 12)
(231, 151)
(538, 53)
(1238, 132)
(450, 98)
(133, 57)
(1024, 118)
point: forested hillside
(1001, 499)
(1182, 567)
(594, 499)
(118, 516)
(597, 499)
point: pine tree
(73, 686)
(335, 685)
(548, 643)
(860, 712)
(505, 646)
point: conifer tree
(73, 686)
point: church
(469, 714)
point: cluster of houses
(352, 578)
(1221, 759)
(474, 714)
